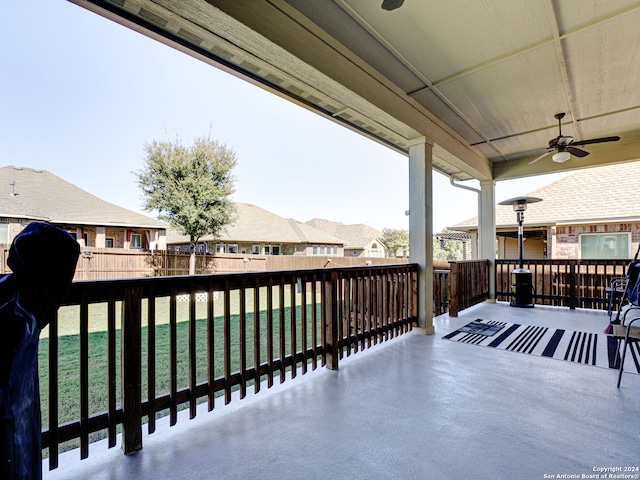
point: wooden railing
(440, 291)
(567, 283)
(124, 352)
(468, 284)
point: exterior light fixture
(561, 157)
(521, 284)
(391, 4)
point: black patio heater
(521, 284)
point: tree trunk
(192, 256)
(192, 263)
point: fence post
(453, 289)
(330, 306)
(131, 346)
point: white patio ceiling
(482, 80)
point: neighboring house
(260, 232)
(37, 195)
(593, 213)
(359, 240)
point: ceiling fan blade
(597, 140)
(539, 158)
(576, 151)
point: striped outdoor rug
(580, 347)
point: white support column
(100, 237)
(487, 231)
(502, 249)
(421, 226)
(475, 255)
(80, 237)
(162, 240)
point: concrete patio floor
(416, 407)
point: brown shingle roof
(40, 195)
(354, 236)
(593, 195)
(255, 224)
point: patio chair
(618, 290)
(625, 331)
(615, 295)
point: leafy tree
(190, 187)
(396, 239)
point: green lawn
(69, 351)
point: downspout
(471, 189)
(480, 249)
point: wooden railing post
(330, 306)
(453, 289)
(131, 346)
(573, 286)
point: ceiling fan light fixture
(561, 157)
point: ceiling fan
(565, 146)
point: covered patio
(475, 91)
(469, 91)
(418, 406)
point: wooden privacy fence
(166, 343)
(119, 263)
(566, 283)
(116, 263)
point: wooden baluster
(131, 367)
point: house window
(605, 246)
(108, 242)
(4, 233)
(136, 241)
(321, 249)
(315, 249)
(255, 249)
(272, 249)
(220, 248)
(233, 248)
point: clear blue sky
(81, 95)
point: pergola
(469, 89)
(463, 237)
